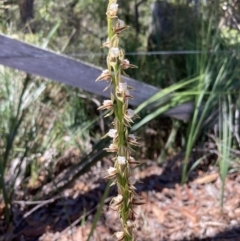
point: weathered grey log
(45, 63)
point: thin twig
(41, 203)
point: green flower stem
(122, 142)
(125, 205)
(121, 125)
(110, 28)
(122, 180)
(123, 175)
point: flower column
(122, 141)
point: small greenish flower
(121, 160)
(138, 201)
(132, 139)
(112, 133)
(122, 91)
(122, 87)
(132, 161)
(128, 117)
(107, 104)
(126, 64)
(113, 56)
(111, 173)
(107, 43)
(106, 75)
(119, 27)
(112, 10)
(119, 235)
(130, 224)
(131, 180)
(130, 113)
(111, 148)
(127, 95)
(116, 202)
(120, 23)
(114, 52)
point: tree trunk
(26, 10)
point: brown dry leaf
(178, 192)
(81, 233)
(206, 179)
(189, 215)
(158, 212)
(80, 186)
(2, 207)
(237, 211)
(189, 194)
(232, 204)
(35, 231)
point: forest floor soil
(172, 212)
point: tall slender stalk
(122, 143)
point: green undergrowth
(40, 121)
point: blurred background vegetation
(189, 48)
